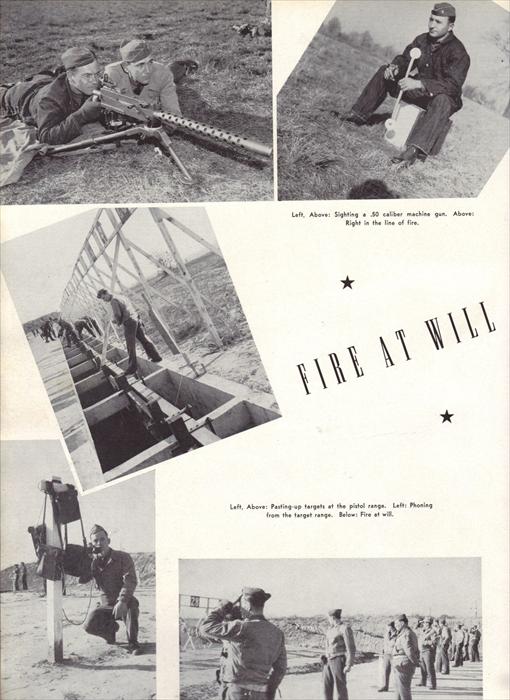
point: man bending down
(124, 315)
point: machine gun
(128, 117)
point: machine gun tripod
(129, 117)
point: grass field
(321, 158)
(231, 90)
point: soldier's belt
(258, 687)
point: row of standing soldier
(19, 577)
(438, 646)
(254, 661)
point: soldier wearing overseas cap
(427, 641)
(256, 661)
(115, 576)
(435, 84)
(61, 108)
(137, 74)
(405, 658)
(339, 656)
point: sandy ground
(197, 669)
(27, 675)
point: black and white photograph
(139, 337)
(330, 629)
(131, 101)
(397, 100)
(77, 582)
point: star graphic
(347, 283)
(447, 417)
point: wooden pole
(54, 595)
(190, 282)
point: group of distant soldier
(253, 659)
(19, 578)
(432, 646)
(70, 333)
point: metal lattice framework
(98, 266)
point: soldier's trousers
(428, 672)
(333, 674)
(133, 331)
(474, 654)
(403, 673)
(100, 622)
(385, 671)
(438, 109)
(232, 691)
(443, 660)
(459, 655)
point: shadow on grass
(372, 189)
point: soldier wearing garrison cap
(256, 659)
(339, 656)
(60, 107)
(435, 83)
(137, 74)
(405, 658)
(115, 576)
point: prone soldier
(60, 107)
(137, 74)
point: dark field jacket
(442, 66)
(53, 109)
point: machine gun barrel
(136, 110)
(214, 133)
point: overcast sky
(397, 22)
(309, 587)
(38, 265)
(126, 509)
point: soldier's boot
(110, 638)
(350, 116)
(408, 157)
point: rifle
(149, 124)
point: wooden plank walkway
(59, 384)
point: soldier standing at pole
(115, 576)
